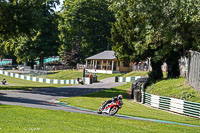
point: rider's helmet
(120, 96)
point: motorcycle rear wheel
(113, 110)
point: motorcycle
(110, 107)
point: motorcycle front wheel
(113, 110)
(100, 110)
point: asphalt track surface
(45, 98)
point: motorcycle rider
(3, 81)
(114, 99)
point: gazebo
(106, 62)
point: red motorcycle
(111, 107)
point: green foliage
(155, 29)
(29, 29)
(21, 16)
(84, 27)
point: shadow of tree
(109, 93)
(8, 99)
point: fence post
(116, 79)
(143, 94)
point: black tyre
(113, 110)
(100, 110)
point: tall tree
(86, 23)
(33, 29)
(155, 29)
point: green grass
(101, 76)
(65, 74)
(93, 101)
(74, 74)
(136, 73)
(24, 120)
(15, 83)
(176, 88)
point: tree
(21, 16)
(86, 23)
(33, 31)
(155, 29)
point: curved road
(45, 97)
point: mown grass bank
(74, 74)
(24, 120)
(65, 74)
(93, 101)
(176, 88)
(15, 83)
(135, 73)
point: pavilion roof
(103, 55)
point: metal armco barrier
(172, 104)
(43, 80)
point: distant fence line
(127, 79)
(193, 75)
(86, 80)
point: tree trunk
(173, 65)
(32, 64)
(156, 72)
(41, 65)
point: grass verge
(21, 119)
(65, 74)
(94, 100)
(15, 83)
(176, 88)
(136, 73)
(74, 74)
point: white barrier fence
(172, 104)
(86, 80)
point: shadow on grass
(108, 93)
(73, 91)
(52, 72)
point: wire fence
(193, 75)
(26, 70)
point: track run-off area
(45, 98)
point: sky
(59, 7)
